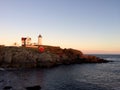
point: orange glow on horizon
(100, 52)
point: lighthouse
(39, 40)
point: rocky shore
(27, 57)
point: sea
(97, 76)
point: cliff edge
(26, 57)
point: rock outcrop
(23, 57)
(37, 87)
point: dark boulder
(37, 87)
(7, 88)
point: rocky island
(28, 57)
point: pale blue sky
(92, 26)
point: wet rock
(1, 81)
(7, 88)
(37, 87)
(2, 69)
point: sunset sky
(92, 26)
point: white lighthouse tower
(39, 40)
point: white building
(28, 41)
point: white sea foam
(2, 69)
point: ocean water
(103, 76)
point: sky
(92, 26)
